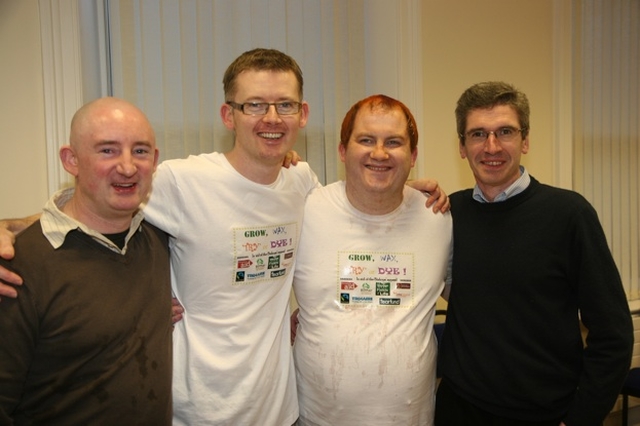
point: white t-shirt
(367, 287)
(233, 246)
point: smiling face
(495, 165)
(112, 156)
(378, 159)
(261, 141)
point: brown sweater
(88, 340)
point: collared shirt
(56, 224)
(514, 189)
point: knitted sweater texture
(526, 272)
(88, 340)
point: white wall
(23, 167)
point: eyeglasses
(261, 108)
(503, 134)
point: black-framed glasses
(261, 108)
(503, 134)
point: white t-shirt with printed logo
(233, 246)
(367, 288)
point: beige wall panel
(23, 166)
(469, 41)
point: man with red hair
(372, 262)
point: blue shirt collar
(514, 189)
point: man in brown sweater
(89, 339)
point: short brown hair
(487, 95)
(259, 60)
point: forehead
(496, 116)
(380, 120)
(118, 127)
(267, 84)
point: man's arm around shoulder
(9, 228)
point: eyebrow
(104, 143)
(502, 126)
(261, 100)
(373, 136)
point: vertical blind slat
(606, 119)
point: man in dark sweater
(89, 339)
(531, 263)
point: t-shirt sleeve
(164, 207)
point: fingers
(176, 311)
(291, 159)
(294, 325)
(439, 200)
(8, 290)
(7, 239)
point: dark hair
(487, 95)
(259, 60)
(382, 102)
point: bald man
(65, 356)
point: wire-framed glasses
(261, 108)
(503, 134)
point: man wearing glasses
(530, 264)
(234, 222)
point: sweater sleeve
(18, 334)
(604, 311)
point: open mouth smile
(271, 135)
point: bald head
(103, 113)
(112, 155)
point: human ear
(342, 149)
(226, 113)
(69, 159)
(463, 150)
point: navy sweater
(524, 270)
